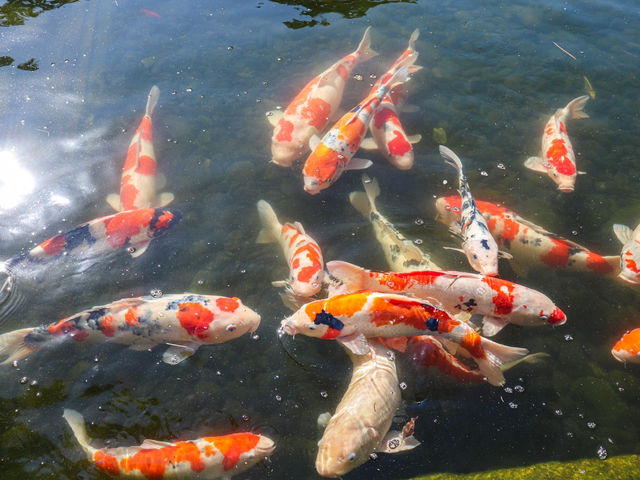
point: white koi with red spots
(139, 175)
(630, 255)
(205, 458)
(529, 244)
(334, 152)
(499, 301)
(310, 111)
(303, 254)
(559, 161)
(185, 322)
(354, 317)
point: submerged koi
(310, 111)
(139, 179)
(627, 349)
(559, 161)
(206, 457)
(184, 321)
(352, 318)
(630, 255)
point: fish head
(306, 321)
(342, 448)
(627, 349)
(233, 319)
(482, 254)
(308, 288)
(630, 262)
(241, 450)
(162, 221)
(313, 185)
(531, 307)
(285, 153)
(448, 210)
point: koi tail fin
(364, 51)
(451, 158)
(413, 38)
(152, 100)
(270, 224)
(361, 203)
(76, 423)
(365, 202)
(496, 355)
(14, 347)
(352, 276)
(371, 188)
(576, 107)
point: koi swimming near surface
(630, 255)
(627, 349)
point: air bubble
(501, 166)
(23, 380)
(279, 59)
(508, 389)
(373, 456)
(373, 76)
(391, 356)
(255, 337)
(574, 232)
(568, 338)
(367, 180)
(324, 394)
(358, 77)
(602, 452)
(558, 412)
(417, 241)
(519, 388)
(200, 282)
(96, 359)
(513, 405)
(155, 292)
(245, 418)
(230, 47)
(33, 383)
(591, 425)
(403, 386)
(484, 173)
(14, 364)
(278, 398)
(188, 90)
(444, 182)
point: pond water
(73, 86)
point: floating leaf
(30, 66)
(440, 136)
(588, 88)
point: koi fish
(401, 254)
(139, 179)
(133, 229)
(310, 111)
(388, 135)
(185, 322)
(361, 422)
(530, 244)
(627, 349)
(352, 318)
(206, 457)
(335, 152)
(630, 255)
(302, 252)
(559, 161)
(499, 301)
(477, 243)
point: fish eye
(312, 326)
(544, 317)
(314, 284)
(352, 456)
(231, 327)
(555, 174)
(447, 207)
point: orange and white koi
(185, 322)
(528, 243)
(206, 457)
(352, 318)
(303, 254)
(627, 349)
(559, 161)
(310, 111)
(630, 255)
(499, 301)
(361, 422)
(139, 174)
(334, 152)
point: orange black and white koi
(361, 422)
(335, 152)
(185, 322)
(630, 255)
(310, 111)
(352, 318)
(477, 243)
(559, 161)
(499, 301)
(529, 244)
(139, 174)
(627, 349)
(206, 457)
(303, 254)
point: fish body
(352, 318)
(184, 321)
(559, 161)
(139, 174)
(201, 458)
(499, 301)
(479, 246)
(427, 351)
(302, 252)
(630, 255)
(310, 111)
(361, 422)
(334, 152)
(529, 244)
(627, 349)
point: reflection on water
(16, 12)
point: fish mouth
(618, 356)
(265, 446)
(566, 188)
(287, 327)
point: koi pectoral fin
(164, 199)
(274, 116)
(358, 164)
(355, 343)
(505, 255)
(492, 325)
(368, 144)
(135, 253)
(177, 352)
(395, 442)
(455, 249)
(535, 164)
(622, 232)
(113, 199)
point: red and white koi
(310, 111)
(361, 422)
(303, 254)
(499, 301)
(206, 457)
(630, 255)
(334, 152)
(528, 243)
(627, 349)
(559, 161)
(352, 318)
(139, 174)
(185, 322)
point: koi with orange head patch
(206, 457)
(627, 349)
(185, 322)
(630, 255)
(354, 317)
(528, 243)
(310, 111)
(558, 160)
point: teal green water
(73, 85)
